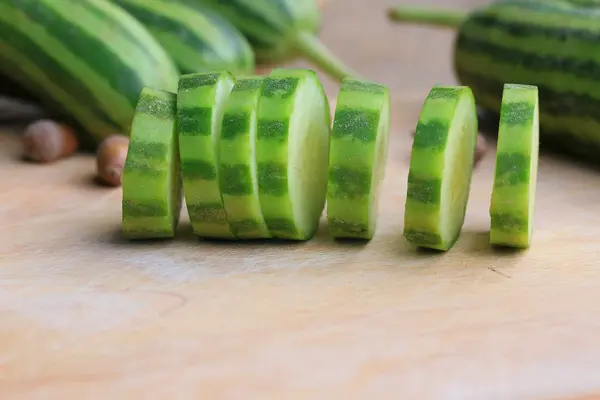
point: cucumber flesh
(201, 103)
(515, 175)
(238, 172)
(151, 182)
(441, 168)
(358, 154)
(292, 152)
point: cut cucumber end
(201, 103)
(358, 155)
(515, 176)
(441, 168)
(238, 172)
(151, 182)
(292, 152)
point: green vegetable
(292, 152)
(151, 181)
(197, 38)
(441, 167)
(513, 195)
(201, 103)
(551, 44)
(88, 59)
(357, 158)
(280, 30)
(238, 172)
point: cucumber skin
(352, 188)
(516, 169)
(152, 187)
(423, 204)
(205, 40)
(199, 153)
(99, 106)
(239, 189)
(569, 121)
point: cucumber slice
(152, 187)
(201, 102)
(357, 158)
(292, 152)
(441, 167)
(515, 176)
(238, 175)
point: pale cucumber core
(457, 171)
(308, 155)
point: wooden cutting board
(85, 315)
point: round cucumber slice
(441, 167)
(151, 182)
(357, 158)
(201, 102)
(238, 172)
(515, 175)
(292, 152)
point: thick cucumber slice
(238, 174)
(515, 176)
(357, 158)
(292, 152)
(441, 167)
(201, 102)
(152, 192)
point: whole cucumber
(198, 39)
(280, 30)
(88, 60)
(552, 44)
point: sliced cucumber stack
(515, 176)
(441, 167)
(201, 102)
(152, 196)
(292, 152)
(238, 172)
(357, 160)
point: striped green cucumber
(201, 103)
(152, 187)
(237, 162)
(197, 38)
(280, 30)
(513, 195)
(357, 158)
(441, 167)
(89, 58)
(554, 45)
(292, 152)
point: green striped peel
(197, 38)
(238, 172)
(90, 58)
(152, 188)
(515, 176)
(357, 160)
(201, 102)
(292, 152)
(280, 30)
(441, 166)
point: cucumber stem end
(314, 50)
(422, 15)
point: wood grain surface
(85, 315)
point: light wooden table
(84, 315)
